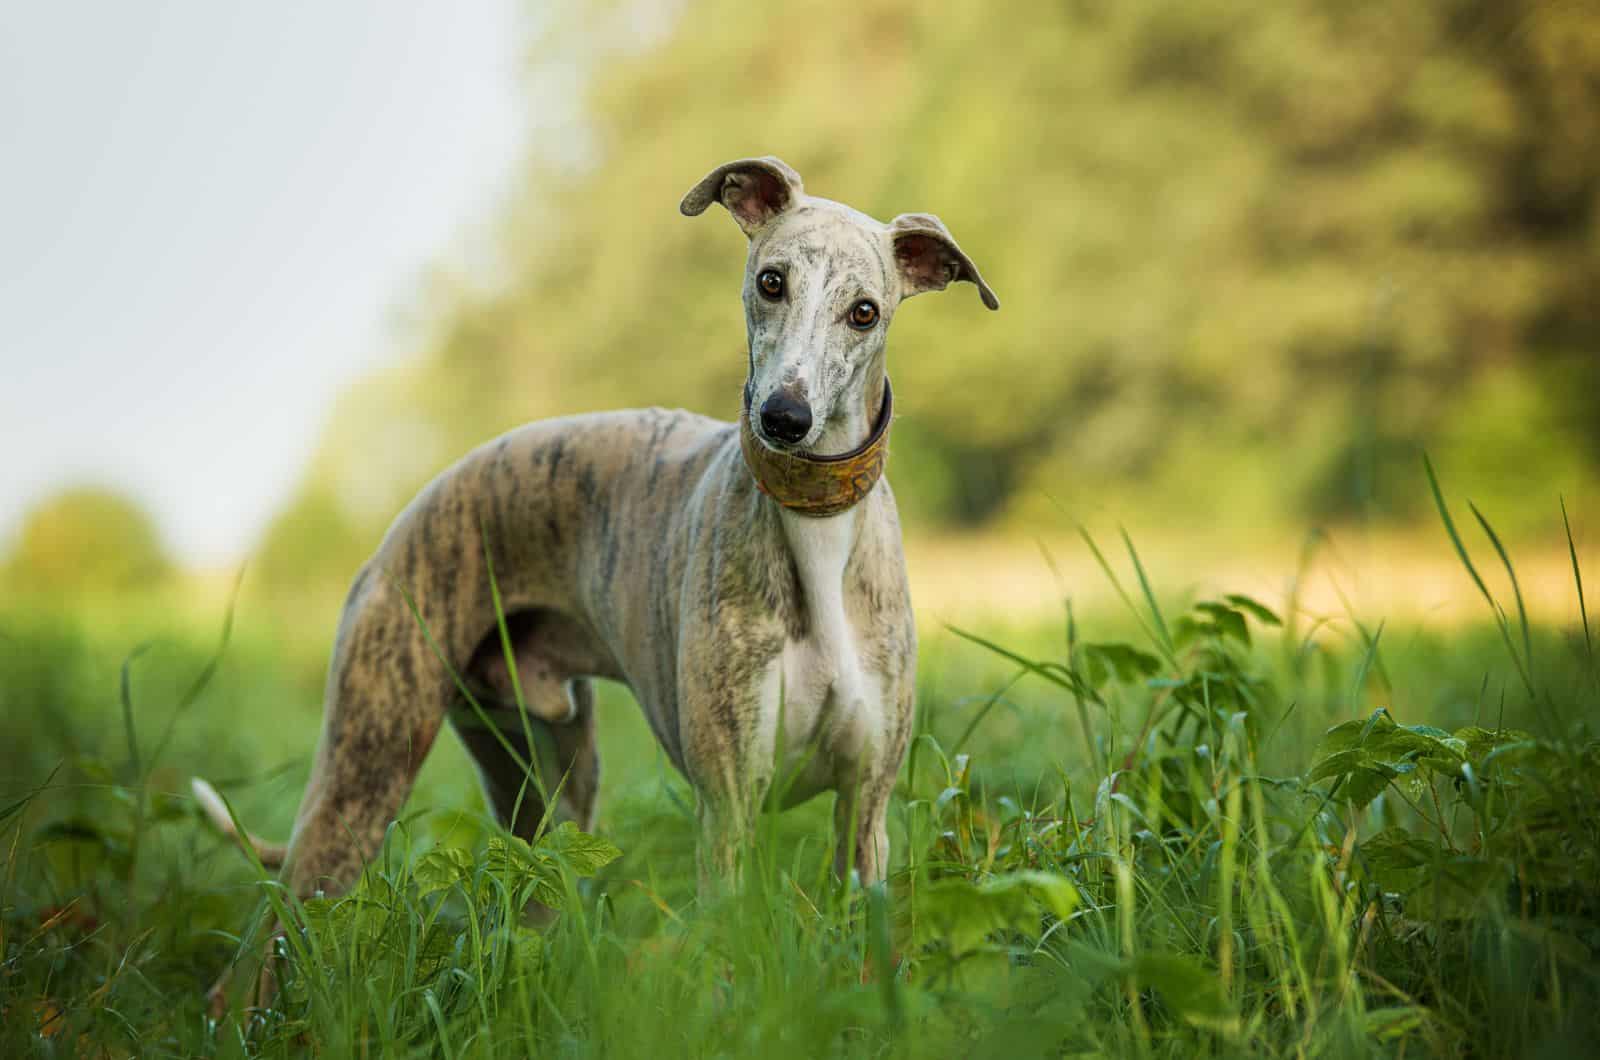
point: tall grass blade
(136, 839)
(1461, 551)
(1577, 577)
(125, 698)
(1455, 538)
(983, 711)
(1367, 659)
(1111, 576)
(1052, 672)
(1516, 590)
(10, 811)
(1074, 663)
(1150, 597)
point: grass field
(1186, 827)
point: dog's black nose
(785, 417)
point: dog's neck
(848, 432)
(821, 550)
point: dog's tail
(271, 855)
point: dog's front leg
(861, 830)
(870, 756)
(728, 741)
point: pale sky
(211, 216)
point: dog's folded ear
(755, 190)
(929, 259)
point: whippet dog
(737, 577)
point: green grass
(1187, 829)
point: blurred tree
(87, 539)
(1252, 257)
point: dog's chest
(831, 701)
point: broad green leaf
(1338, 764)
(1394, 855)
(1481, 742)
(1257, 610)
(1229, 623)
(441, 869)
(1127, 662)
(1363, 786)
(1406, 743)
(964, 913)
(508, 854)
(1378, 745)
(1185, 631)
(1370, 753)
(1187, 988)
(526, 873)
(581, 852)
(1191, 990)
(1351, 734)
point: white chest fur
(832, 718)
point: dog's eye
(770, 281)
(863, 315)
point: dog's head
(821, 285)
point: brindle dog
(645, 547)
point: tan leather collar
(819, 485)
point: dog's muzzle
(818, 485)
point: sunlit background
(1186, 598)
(266, 271)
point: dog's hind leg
(387, 695)
(577, 756)
(549, 701)
(563, 754)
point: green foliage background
(1252, 257)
